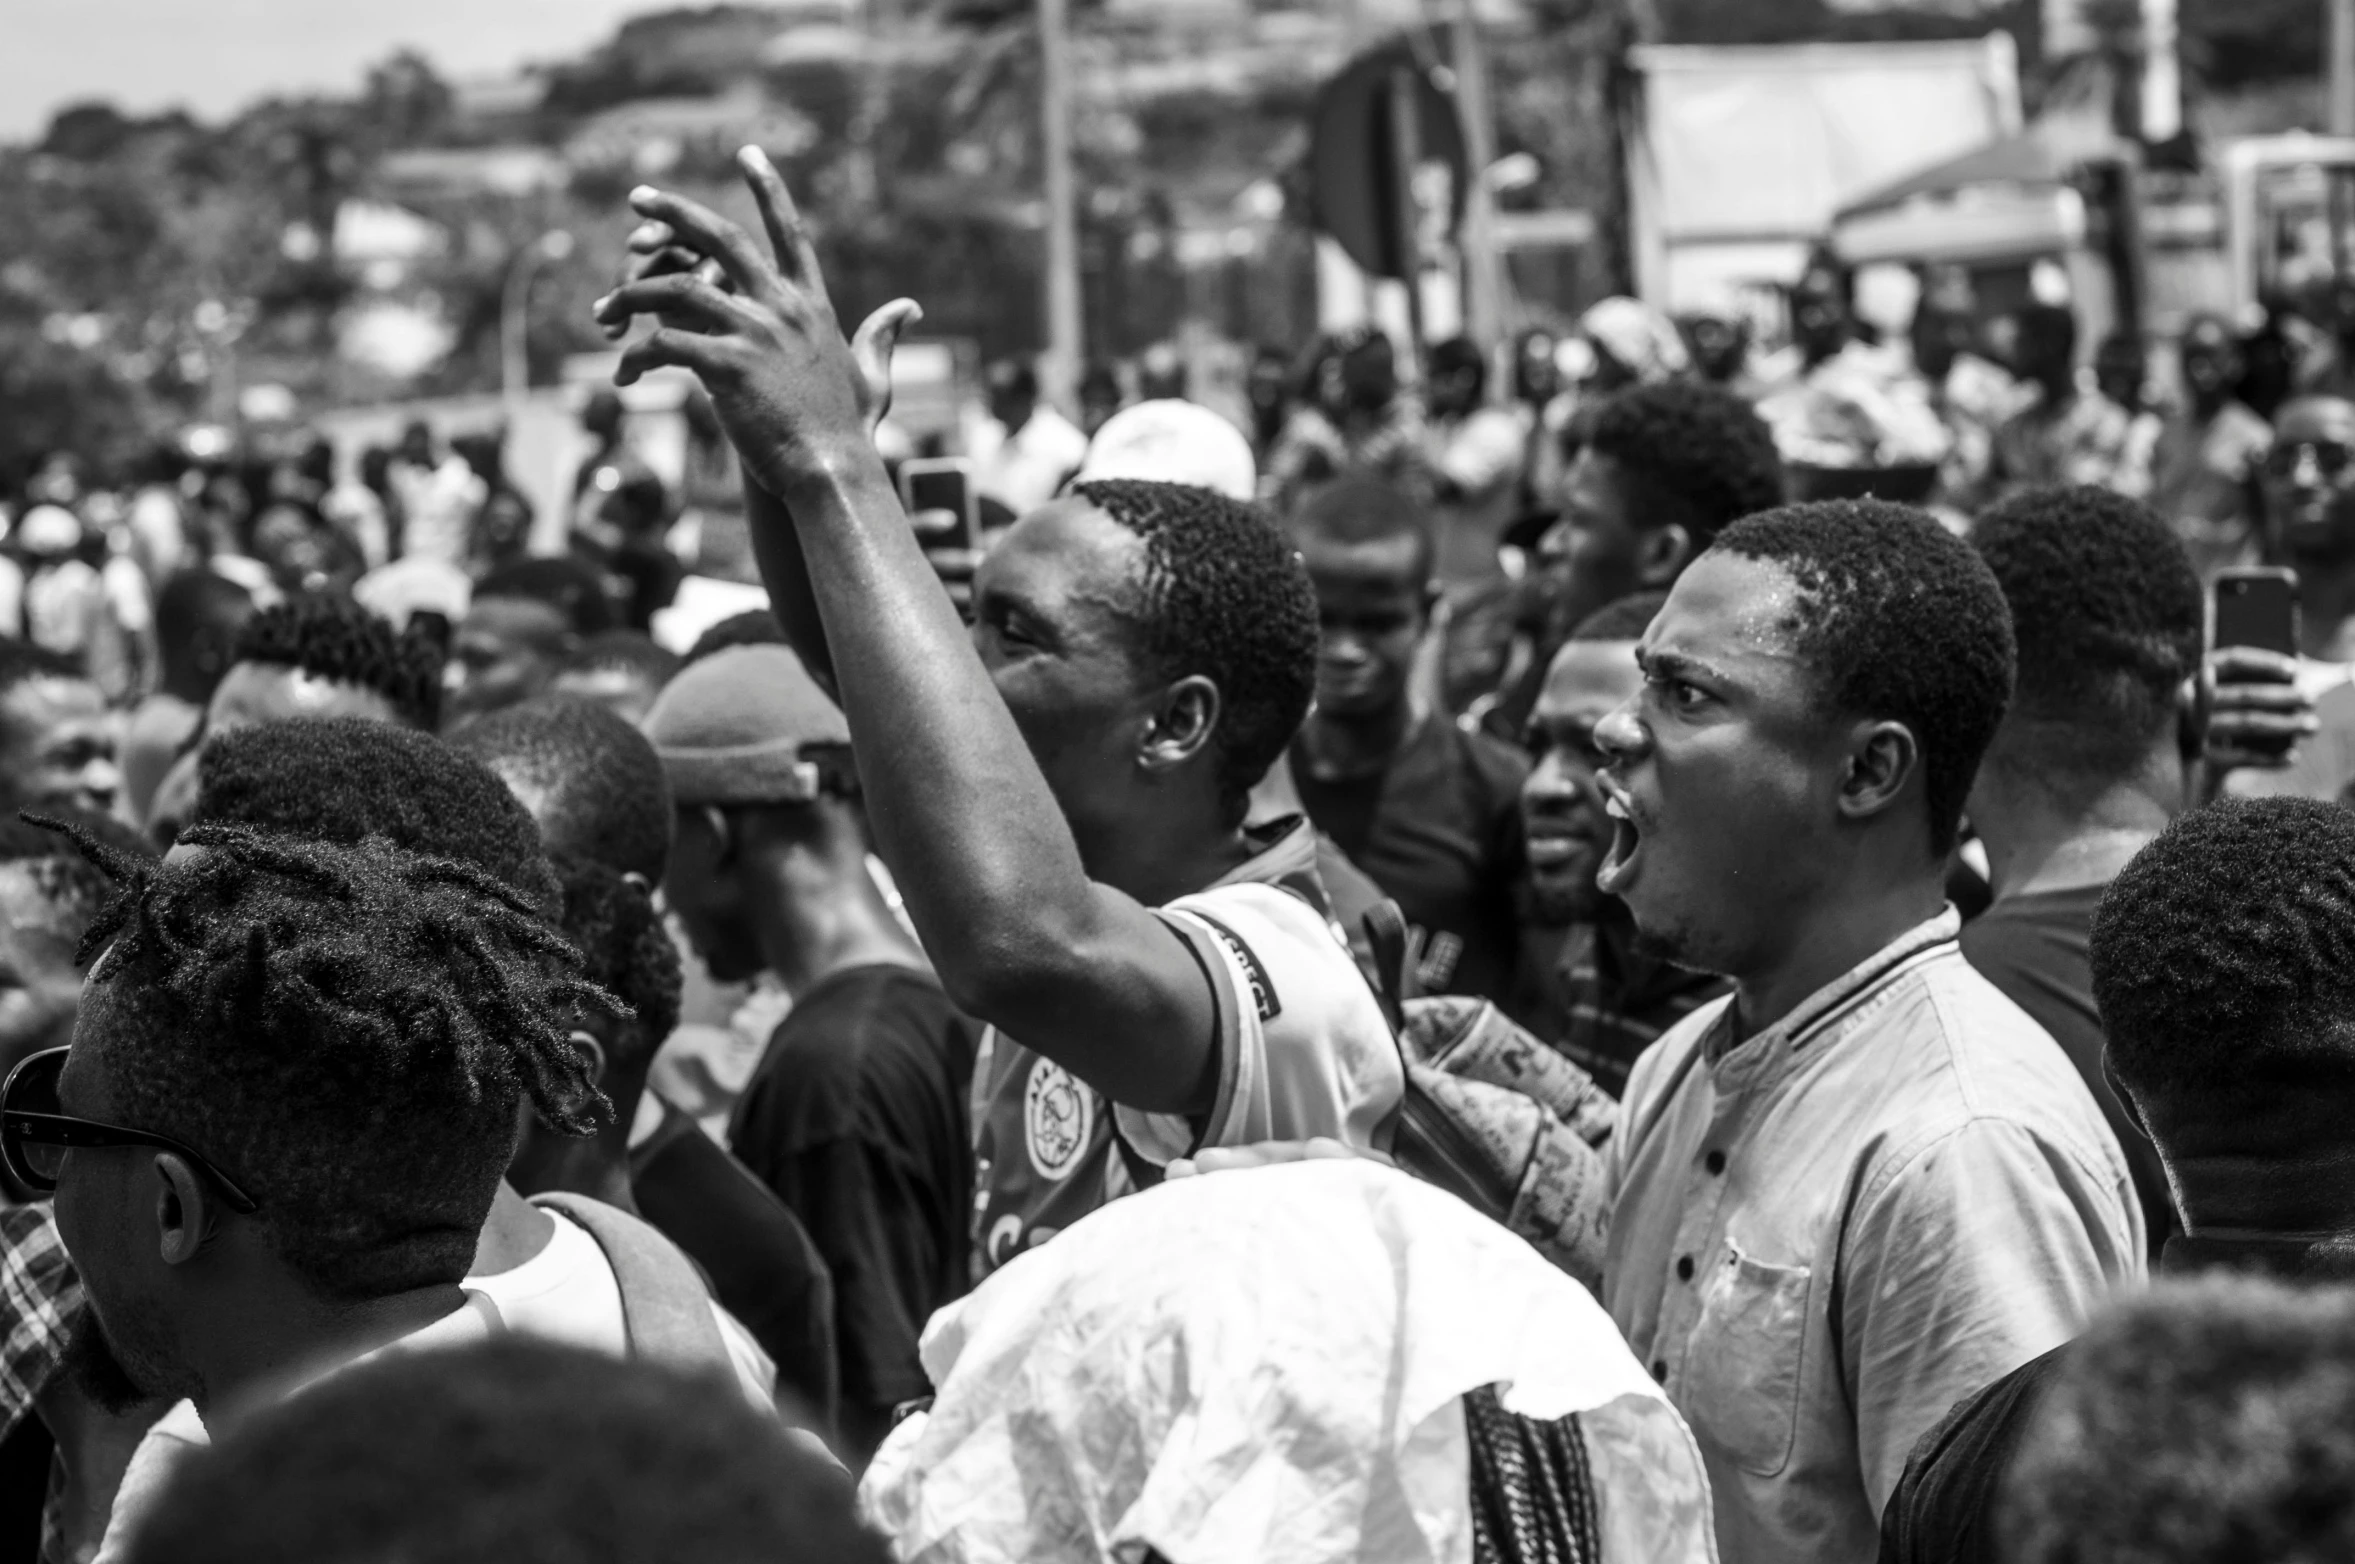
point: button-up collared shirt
(1829, 1232)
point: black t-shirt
(2033, 947)
(1439, 830)
(763, 1267)
(858, 1116)
(1943, 1509)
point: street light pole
(1059, 369)
(514, 316)
(1484, 283)
(2341, 55)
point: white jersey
(1303, 1050)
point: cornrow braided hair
(349, 1030)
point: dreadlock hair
(626, 951)
(592, 781)
(1224, 595)
(1699, 455)
(348, 1030)
(2223, 960)
(2106, 610)
(1621, 619)
(1897, 618)
(62, 873)
(342, 780)
(334, 638)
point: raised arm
(992, 877)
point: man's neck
(305, 1338)
(2036, 845)
(514, 1232)
(1846, 927)
(813, 920)
(2242, 1197)
(597, 1166)
(1335, 747)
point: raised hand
(2256, 713)
(796, 400)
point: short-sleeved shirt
(1829, 1232)
(760, 1261)
(1439, 829)
(1303, 1050)
(856, 1117)
(2035, 948)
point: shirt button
(1714, 1162)
(1684, 1267)
(1660, 1370)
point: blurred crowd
(1630, 949)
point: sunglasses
(35, 1136)
(2331, 458)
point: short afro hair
(753, 627)
(1699, 448)
(2223, 959)
(335, 639)
(626, 951)
(45, 843)
(625, 651)
(348, 1032)
(2107, 615)
(2209, 1421)
(593, 782)
(518, 1450)
(1361, 507)
(1897, 619)
(342, 780)
(21, 661)
(1622, 619)
(574, 588)
(1225, 596)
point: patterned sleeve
(39, 1293)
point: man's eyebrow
(1674, 665)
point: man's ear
(586, 1041)
(1661, 553)
(184, 1209)
(1882, 758)
(2126, 1099)
(1181, 725)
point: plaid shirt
(39, 1293)
(39, 1296)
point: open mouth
(1627, 840)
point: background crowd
(1587, 983)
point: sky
(213, 56)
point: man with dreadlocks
(565, 1266)
(292, 1092)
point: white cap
(1174, 442)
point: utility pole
(1059, 367)
(1484, 282)
(2341, 51)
